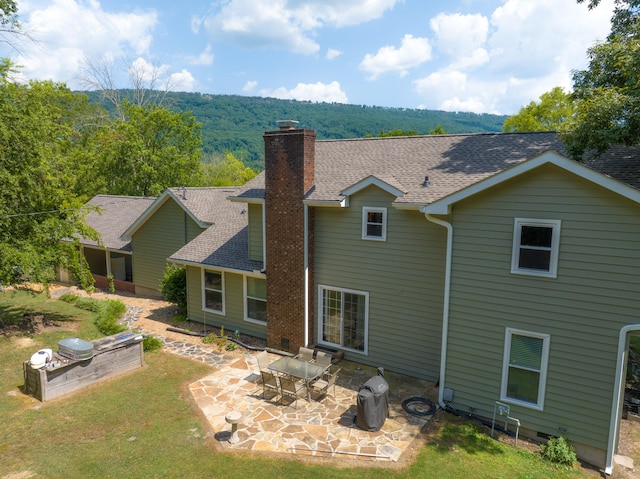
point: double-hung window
(524, 371)
(213, 291)
(374, 223)
(255, 299)
(343, 318)
(535, 247)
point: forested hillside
(237, 123)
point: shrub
(69, 298)
(109, 312)
(220, 340)
(150, 344)
(174, 286)
(559, 451)
(89, 304)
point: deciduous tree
(553, 112)
(38, 209)
(225, 171)
(146, 152)
(607, 93)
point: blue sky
(484, 56)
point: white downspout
(618, 387)
(445, 309)
(306, 275)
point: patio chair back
(263, 360)
(322, 386)
(305, 354)
(324, 359)
(269, 383)
(291, 389)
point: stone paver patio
(320, 428)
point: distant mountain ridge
(236, 123)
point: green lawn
(142, 426)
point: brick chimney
(289, 174)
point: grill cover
(373, 404)
(74, 348)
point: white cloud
(500, 63)
(249, 86)
(205, 58)
(332, 53)
(412, 52)
(286, 25)
(477, 58)
(316, 92)
(182, 81)
(259, 24)
(341, 13)
(69, 31)
(460, 35)
(524, 39)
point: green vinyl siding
(594, 295)
(164, 233)
(234, 304)
(404, 277)
(256, 232)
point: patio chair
(323, 359)
(305, 354)
(269, 383)
(322, 386)
(263, 360)
(291, 389)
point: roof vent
(425, 183)
(287, 124)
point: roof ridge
(447, 135)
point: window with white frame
(535, 247)
(374, 223)
(343, 317)
(255, 299)
(524, 373)
(213, 291)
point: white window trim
(544, 363)
(555, 246)
(246, 297)
(204, 297)
(322, 287)
(371, 209)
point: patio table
(298, 369)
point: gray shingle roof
(116, 214)
(451, 162)
(223, 244)
(619, 162)
(203, 202)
